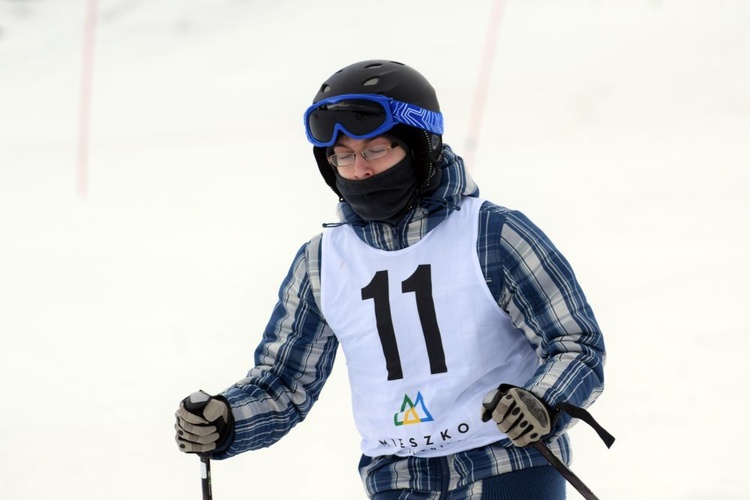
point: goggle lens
(356, 117)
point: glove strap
(585, 416)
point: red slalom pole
(483, 82)
(84, 112)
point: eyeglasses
(364, 116)
(342, 160)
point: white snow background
(620, 127)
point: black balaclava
(382, 197)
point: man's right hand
(203, 421)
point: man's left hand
(518, 413)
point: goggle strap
(417, 117)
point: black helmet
(401, 83)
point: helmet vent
(325, 88)
(371, 81)
(373, 65)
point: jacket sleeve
(536, 286)
(293, 361)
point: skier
(462, 324)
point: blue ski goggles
(364, 116)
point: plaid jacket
(525, 273)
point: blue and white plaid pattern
(525, 273)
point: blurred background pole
(483, 83)
(84, 112)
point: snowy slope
(620, 127)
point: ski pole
(542, 448)
(195, 401)
(206, 478)
(565, 471)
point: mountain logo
(412, 412)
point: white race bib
(423, 337)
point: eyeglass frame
(388, 149)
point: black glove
(522, 416)
(203, 422)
